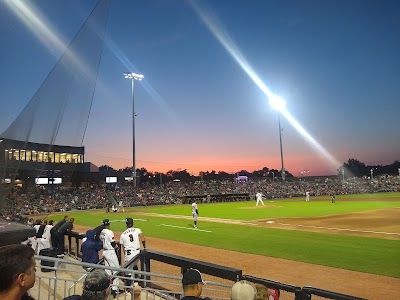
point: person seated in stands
(192, 284)
(243, 290)
(266, 293)
(17, 271)
(90, 248)
(95, 287)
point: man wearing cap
(132, 241)
(195, 214)
(95, 287)
(99, 229)
(192, 284)
(109, 254)
(242, 290)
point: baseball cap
(129, 221)
(106, 222)
(242, 290)
(192, 276)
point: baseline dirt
(358, 284)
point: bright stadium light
(277, 103)
(223, 37)
(133, 77)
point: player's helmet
(106, 222)
(129, 221)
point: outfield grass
(369, 255)
(287, 208)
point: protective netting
(58, 112)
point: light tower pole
(133, 77)
(280, 143)
(279, 104)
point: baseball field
(351, 246)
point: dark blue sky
(336, 63)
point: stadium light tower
(133, 77)
(279, 104)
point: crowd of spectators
(40, 199)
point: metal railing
(154, 263)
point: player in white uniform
(259, 197)
(34, 239)
(195, 213)
(109, 254)
(307, 196)
(132, 241)
(121, 206)
(46, 239)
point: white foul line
(184, 228)
(341, 229)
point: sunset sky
(336, 63)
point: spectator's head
(96, 286)
(192, 283)
(242, 290)
(106, 223)
(261, 292)
(72, 220)
(129, 222)
(17, 270)
(66, 217)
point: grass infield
(369, 255)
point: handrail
(88, 271)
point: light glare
(277, 103)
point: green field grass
(287, 208)
(369, 255)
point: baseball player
(259, 197)
(132, 240)
(34, 239)
(307, 196)
(46, 239)
(121, 206)
(195, 213)
(109, 252)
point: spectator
(242, 290)
(261, 292)
(95, 287)
(90, 248)
(17, 271)
(192, 284)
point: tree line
(352, 168)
